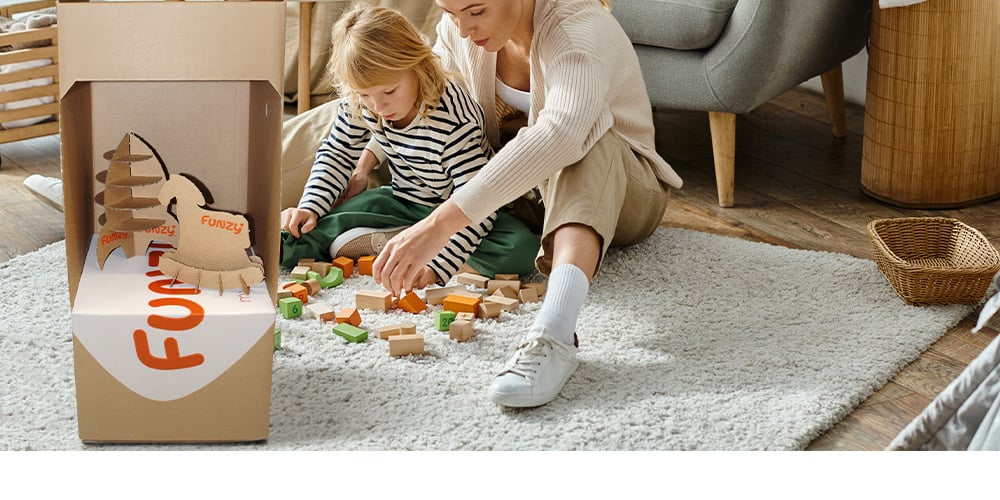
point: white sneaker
(536, 372)
(362, 241)
(47, 189)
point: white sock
(564, 296)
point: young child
(398, 106)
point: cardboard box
(201, 83)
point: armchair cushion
(674, 24)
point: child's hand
(292, 219)
(356, 184)
(426, 277)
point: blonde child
(400, 107)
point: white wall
(855, 76)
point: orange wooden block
(299, 292)
(345, 264)
(411, 303)
(349, 315)
(461, 303)
(365, 264)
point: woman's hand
(297, 221)
(402, 263)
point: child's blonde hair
(372, 44)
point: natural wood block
(312, 284)
(488, 309)
(494, 285)
(538, 287)
(435, 296)
(461, 330)
(321, 268)
(321, 311)
(376, 300)
(526, 295)
(397, 329)
(306, 261)
(283, 293)
(505, 303)
(467, 316)
(473, 279)
(406, 344)
(506, 277)
(300, 273)
(505, 291)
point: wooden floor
(796, 186)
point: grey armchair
(730, 56)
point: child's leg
(371, 208)
(509, 248)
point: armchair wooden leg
(833, 89)
(723, 127)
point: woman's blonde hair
(371, 45)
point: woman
(588, 147)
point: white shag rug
(688, 341)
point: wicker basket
(933, 260)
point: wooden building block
(321, 268)
(411, 303)
(442, 319)
(505, 303)
(321, 311)
(473, 279)
(526, 295)
(290, 307)
(312, 284)
(365, 263)
(461, 303)
(346, 264)
(397, 329)
(283, 293)
(494, 285)
(300, 292)
(467, 316)
(488, 309)
(461, 330)
(333, 277)
(506, 277)
(306, 261)
(299, 273)
(350, 333)
(435, 296)
(406, 344)
(538, 287)
(349, 315)
(376, 300)
(505, 291)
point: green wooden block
(443, 319)
(277, 340)
(332, 279)
(350, 333)
(290, 307)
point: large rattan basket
(933, 260)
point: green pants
(509, 248)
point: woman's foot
(536, 372)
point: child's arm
(463, 157)
(336, 159)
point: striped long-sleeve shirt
(429, 159)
